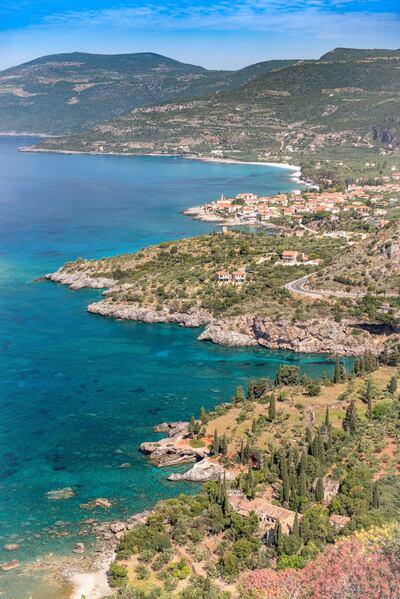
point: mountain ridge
(303, 110)
(70, 92)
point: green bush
(382, 409)
(290, 561)
(196, 443)
(117, 575)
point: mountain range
(345, 104)
(65, 93)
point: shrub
(117, 575)
(290, 561)
(352, 568)
(196, 443)
(383, 409)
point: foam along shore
(93, 585)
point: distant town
(365, 203)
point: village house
(238, 276)
(289, 256)
(223, 276)
(248, 208)
(292, 257)
(269, 514)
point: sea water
(79, 393)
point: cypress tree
(192, 425)
(318, 449)
(337, 373)
(308, 436)
(392, 388)
(272, 408)
(278, 538)
(369, 407)
(302, 487)
(222, 494)
(216, 443)
(285, 488)
(254, 425)
(246, 452)
(292, 476)
(327, 420)
(250, 481)
(350, 420)
(319, 490)
(241, 452)
(219, 490)
(293, 500)
(203, 415)
(296, 527)
(224, 445)
(283, 464)
(239, 395)
(251, 390)
(376, 499)
(303, 462)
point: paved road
(297, 286)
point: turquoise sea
(78, 393)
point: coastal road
(297, 286)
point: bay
(78, 393)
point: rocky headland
(347, 338)
(176, 449)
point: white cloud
(318, 17)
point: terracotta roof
(261, 507)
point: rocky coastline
(200, 213)
(86, 574)
(175, 449)
(323, 336)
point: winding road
(297, 286)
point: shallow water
(78, 393)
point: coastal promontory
(238, 286)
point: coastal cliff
(309, 336)
(183, 282)
(312, 336)
(130, 311)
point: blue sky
(222, 34)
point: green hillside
(65, 93)
(296, 112)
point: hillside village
(372, 204)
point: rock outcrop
(59, 494)
(79, 280)
(314, 336)
(174, 449)
(98, 502)
(168, 454)
(172, 428)
(310, 336)
(131, 311)
(203, 471)
(10, 565)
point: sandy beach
(284, 165)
